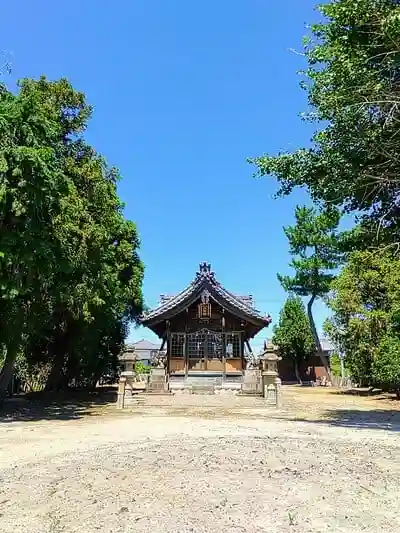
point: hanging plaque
(204, 307)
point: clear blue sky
(183, 92)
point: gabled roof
(205, 283)
(144, 344)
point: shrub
(141, 368)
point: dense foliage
(365, 301)
(293, 335)
(70, 278)
(353, 82)
(352, 164)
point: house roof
(140, 350)
(144, 344)
(326, 345)
(205, 283)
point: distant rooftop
(326, 345)
(143, 344)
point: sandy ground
(205, 464)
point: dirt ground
(324, 462)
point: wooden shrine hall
(205, 329)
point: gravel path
(137, 473)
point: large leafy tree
(31, 192)
(365, 323)
(314, 243)
(353, 82)
(68, 258)
(293, 335)
(111, 273)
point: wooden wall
(312, 370)
(177, 365)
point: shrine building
(205, 329)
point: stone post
(278, 387)
(271, 383)
(158, 381)
(121, 392)
(252, 381)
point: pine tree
(315, 247)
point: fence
(343, 383)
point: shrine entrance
(206, 350)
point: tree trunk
(7, 370)
(297, 371)
(55, 377)
(13, 343)
(320, 352)
(61, 346)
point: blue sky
(183, 92)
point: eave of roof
(205, 280)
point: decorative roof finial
(205, 271)
(205, 267)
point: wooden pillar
(223, 343)
(168, 335)
(241, 344)
(185, 344)
(250, 352)
(185, 354)
(248, 346)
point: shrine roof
(205, 280)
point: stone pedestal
(129, 388)
(252, 381)
(271, 383)
(158, 381)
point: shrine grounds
(325, 462)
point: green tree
(314, 243)
(293, 335)
(386, 364)
(31, 189)
(70, 277)
(365, 300)
(338, 366)
(353, 86)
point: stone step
(134, 401)
(201, 381)
(199, 389)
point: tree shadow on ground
(357, 419)
(366, 392)
(70, 405)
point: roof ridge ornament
(205, 271)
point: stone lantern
(271, 383)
